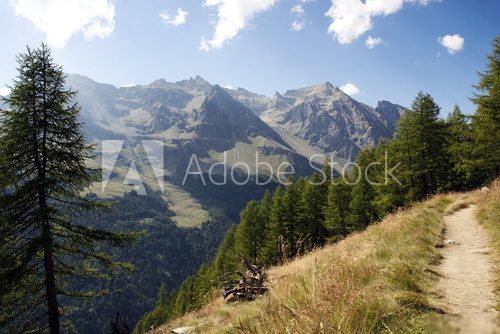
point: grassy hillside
(488, 214)
(378, 280)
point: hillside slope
(383, 279)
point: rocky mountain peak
(328, 85)
(243, 91)
(159, 83)
(388, 112)
(388, 105)
(329, 120)
(196, 85)
(323, 89)
(219, 92)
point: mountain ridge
(310, 113)
(247, 131)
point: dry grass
(488, 214)
(379, 280)
(463, 201)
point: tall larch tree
(486, 120)
(337, 209)
(291, 217)
(421, 142)
(251, 232)
(459, 146)
(43, 173)
(275, 246)
(391, 191)
(311, 215)
(401, 150)
(363, 193)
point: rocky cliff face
(331, 121)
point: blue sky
(252, 43)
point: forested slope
(426, 156)
(164, 254)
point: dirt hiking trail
(467, 283)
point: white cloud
(352, 18)
(165, 16)
(180, 17)
(298, 9)
(233, 16)
(4, 91)
(228, 87)
(372, 42)
(297, 25)
(454, 43)
(61, 19)
(350, 89)
(129, 85)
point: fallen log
(250, 286)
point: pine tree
(250, 234)
(363, 194)
(159, 315)
(401, 150)
(459, 146)
(162, 296)
(275, 247)
(391, 192)
(265, 207)
(290, 217)
(421, 144)
(43, 173)
(185, 298)
(431, 141)
(337, 209)
(226, 260)
(486, 120)
(311, 216)
(265, 211)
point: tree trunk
(50, 283)
(48, 254)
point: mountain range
(215, 123)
